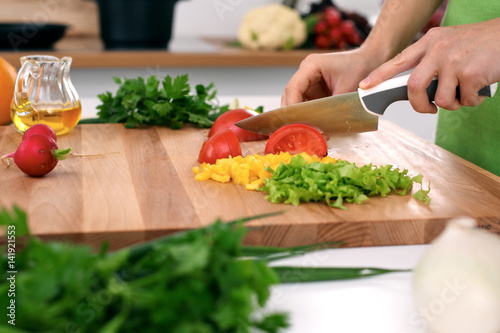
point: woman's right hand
(327, 74)
(461, 56)
(322, 75)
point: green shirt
(472, 132)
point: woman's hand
(465, 56)
(321, 75)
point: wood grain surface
(88, 52)
(141, 186)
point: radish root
(6, 159)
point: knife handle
(377, 99)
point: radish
(37, 155)
(40, 129)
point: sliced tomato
(221, 145)
(297, 138)
(228, 120)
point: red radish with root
(38, 153)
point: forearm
(397, 25)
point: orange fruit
(8, 76)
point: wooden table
(142, 186)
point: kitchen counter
(381, 304)
(88, 52)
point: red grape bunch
(332, 31)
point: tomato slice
(228, 120)
(297, 138)
(221, 145)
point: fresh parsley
(169, 103)
(196, 281)
(202, 280)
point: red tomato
(297, 138)
(227, 120)
(221, 145)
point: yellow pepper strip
(249, 171)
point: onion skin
(456, 284)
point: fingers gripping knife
(354, 112)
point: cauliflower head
(272, 27)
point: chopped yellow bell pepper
(249, 171)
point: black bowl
(136, 24)
(29, 36)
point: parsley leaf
(139, 102)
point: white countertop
(379, 304)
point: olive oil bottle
(44, 94)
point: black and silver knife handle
(377, 99)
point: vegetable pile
(304, 178)
(140, 102)
(300, 181)
(249, 171)
(202, 280)
(283, 27)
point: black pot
(136, 24)
(30, 36)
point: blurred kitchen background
(195, 23)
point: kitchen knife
(354, 112)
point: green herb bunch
(336, 183)
(140, 102)
(198, 281)
(194, 282)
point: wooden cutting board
(142, 186)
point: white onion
(456, 284)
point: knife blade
(354, 112)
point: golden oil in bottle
(62, 120)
